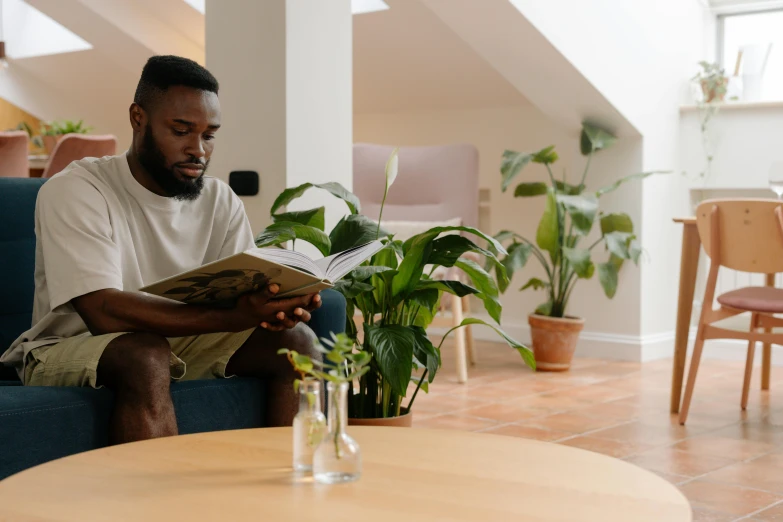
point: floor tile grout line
(746, 517)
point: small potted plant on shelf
(569, 217)
(394, 294)
(53, 131)
(713, 81)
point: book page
(290, 258)
(339, 265)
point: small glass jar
(309, 425)
(338, 458)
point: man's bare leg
(258, 358)
(136, 367)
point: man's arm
(110, 310)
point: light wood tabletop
(409, 474)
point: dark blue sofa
(38, 424)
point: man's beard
(151, 158)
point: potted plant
(394, 294)
(713, 81)
(569, 216)
(53, 131)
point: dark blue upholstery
(38, 424)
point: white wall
(640, 55)
(524, 128)
(746, 142)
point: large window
(759, 38)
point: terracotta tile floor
(728, 463)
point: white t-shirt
(96, 227)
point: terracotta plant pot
(554, 341)
(712, 95)
(403, 421)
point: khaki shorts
(74, 361)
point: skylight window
(357, 6)
(28, 32)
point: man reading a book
(107, 227)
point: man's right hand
(263, 309)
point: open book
(222, 281)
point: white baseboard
(630, 347)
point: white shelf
(728, 106)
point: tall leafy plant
(561, 244)
(394, 292)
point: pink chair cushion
(754, 299)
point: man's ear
(138, 118)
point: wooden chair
(744, 235)
(435, 184)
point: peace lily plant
(564, 246)
(394, 292)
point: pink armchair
(73, 147)
(14, 148)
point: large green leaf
(387, 257)
(594, 138)
(412, 266)
(582, 210)
(607, 274)
(353, 230)
(337, 190)
(616, 223)
(548, 232)
(350, 288)
(278, 233)
(518, 254)
(450, 287)
(363, 273)
(512, 164)
(426, 352)
(618, 243)
(488, 289)
(425, 297)
(436, 231)
(524, 190)
(447, 249)
(524, 351)
(315, 217)
(641, 175)
(392, 348)
(535, 283)
(580, 261)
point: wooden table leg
(689, 263)
(766, 354)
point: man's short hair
(162, 72)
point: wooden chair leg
(754, 319)
(468, 331)
(459, 340)
(694, 368)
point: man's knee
(301, 339)
(136, 360)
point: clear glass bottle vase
(338, 457)
(309, 425)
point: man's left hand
(297, 315)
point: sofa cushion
(40, 424)
(17, 255)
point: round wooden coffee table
(409, 474)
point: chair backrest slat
(750, 234)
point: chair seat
(765, 299)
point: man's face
(177, 140)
